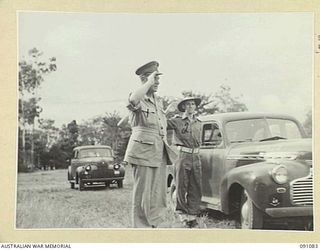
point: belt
(188, 150)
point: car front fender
(79, 171)
(257, 180)
(235, 181)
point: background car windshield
(97, 152)
(259, 129)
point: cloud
(293, 105)
(72, 38)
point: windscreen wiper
(244, 140)
(273, 138)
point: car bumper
(102, 179)
(289, 212)
(99, 179)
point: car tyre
(250, 216)
(173, 195)
(72, 185)
(120, 183)
(81, 184)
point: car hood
(276, 148)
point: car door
(212, 153)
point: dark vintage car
(94, 164)
(257, 167)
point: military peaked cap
(148, 68)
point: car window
(261, 129)
(211, 135)
(246, 130)
(95, 152)
(260, 133)
(75, 154)
(284, 128)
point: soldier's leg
(140, 206)
(182, 182)
(158, 203)
(194, 190)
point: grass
(45, 200)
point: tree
(111, 130)
(61, 150)
(31, 72)
(104, 130)
(88, 133)
(48, 136)
(220, 102)
(73, 133)
(31, 75)
(50, 131)
(223, 102)
(68, 141)
(118, 137)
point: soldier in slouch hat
(188, 166)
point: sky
(267, 58)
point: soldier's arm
(172, 123)
(140, 92)
(172, 107)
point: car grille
(302, 190)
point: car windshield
(261, 130)
(94, 152)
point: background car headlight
(280, 174)
(116, 166)
(88, 168)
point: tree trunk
(23, 147)
(32, 147)
(23, 135)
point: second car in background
(94, 164)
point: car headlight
(88, 168)
(116, 166)
(280, 174)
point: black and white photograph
(165, 121)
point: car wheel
(250, 216)
(120, 183)
(173, 195)
(72, 185)
(81, 184)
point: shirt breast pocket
(148, 112)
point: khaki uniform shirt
(148, 141)
(187, 132)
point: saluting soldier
(188, 166)
(147, 151)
